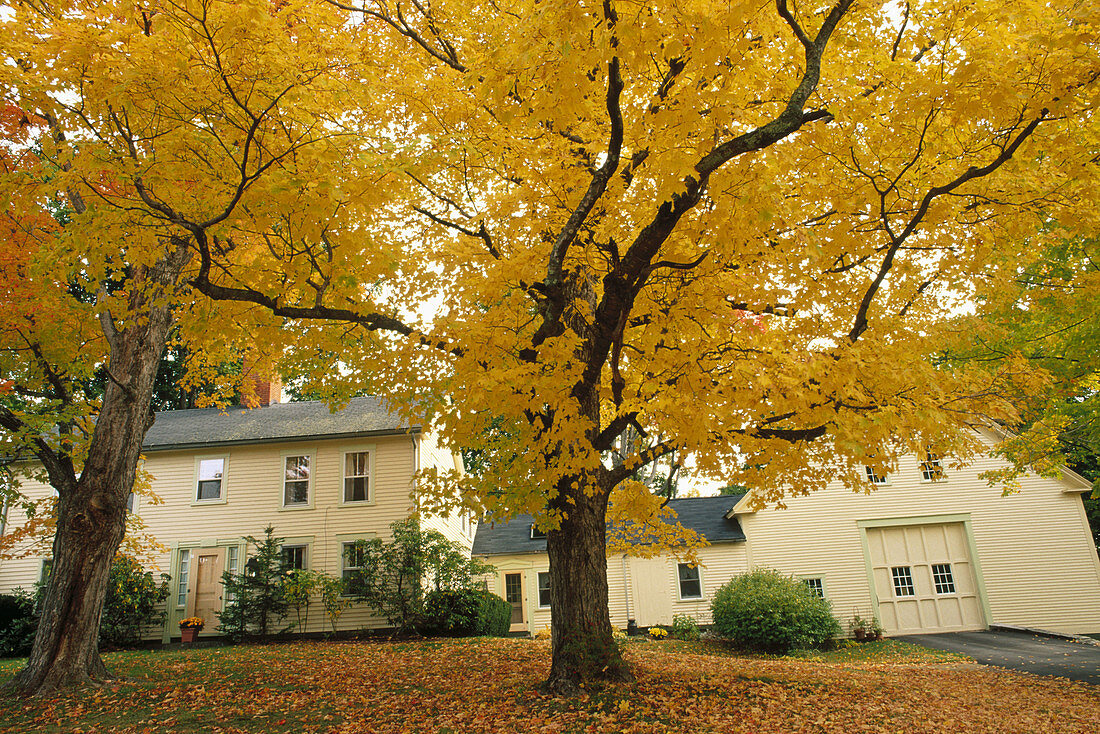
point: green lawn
(491, 686)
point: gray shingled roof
(179, 429)
(704, 515)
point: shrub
(768, 611)
(684, 627)
(333, 598)
(496, 615)
(18, 623)
(465, 613)
(256, 596)
(133, 603)
(391, 577)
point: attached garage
(924, 574)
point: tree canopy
(737, 230)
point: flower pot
(189, 634)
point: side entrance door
(513, 594)
(205, 595)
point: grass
(491, 686)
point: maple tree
(127, 130)
(740, 228)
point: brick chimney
(258, 391)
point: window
(47, 567)
(354, 560)
(3, 514)
(942, 577)
(816, 586)
(211, 473)
(537, 532)
(930, 468)
(232, 560)
(903, 581)
(357, 476)
(185, 569)
(873, 477)
(131, 501)
(296, 481)
(544, 589)
(294, 556)
(691, 586)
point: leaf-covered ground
(490, 686)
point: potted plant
(865, 630)
(190, 628)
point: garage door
(924, 578)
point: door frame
(972, 548)
(525, 612)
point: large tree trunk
(582, 645)
(91, 515)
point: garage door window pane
(903, 581)
(941, 575)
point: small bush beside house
(18, 623)
(134, 602)
(465, 613)
(770, 612)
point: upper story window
(930, 467)
(537, 532)
(691, 585)
(874, 477)
(296, 481)
(357, 476)
(211, 474)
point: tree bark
(583, 648)
(91, 514)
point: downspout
(626, 590)
(416, 469)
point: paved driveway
(1021, 651)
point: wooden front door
(206, 589)
(513, 593)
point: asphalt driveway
(1020, 651)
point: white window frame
(223, 493)
(931, 467)
(820, 578)
(311, 456)
(874, 477)
(371, 488)
(951, 576)
(912, 585)
(538, 588)
(539, 534)
(680, 587)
